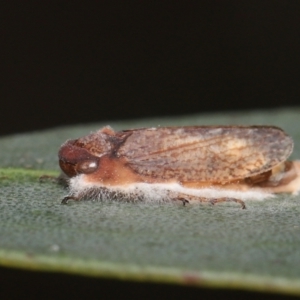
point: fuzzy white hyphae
(155, 192)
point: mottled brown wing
(206, 154)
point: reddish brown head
(82, 156)
(75, 160)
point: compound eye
(87, 166)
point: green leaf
(212, 246)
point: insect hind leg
(185, 198)
(226, 199)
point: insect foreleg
(66, 199)
(61, 179)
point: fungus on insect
(191, 164)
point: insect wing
(206, 153)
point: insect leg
(45, 178)
(226, 199)
(67, 198)
(61, 179)
(184, 201)
(185, 198)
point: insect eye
(87, 166)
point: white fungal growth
(154, 192)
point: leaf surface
(213, 246)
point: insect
(190, 164)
